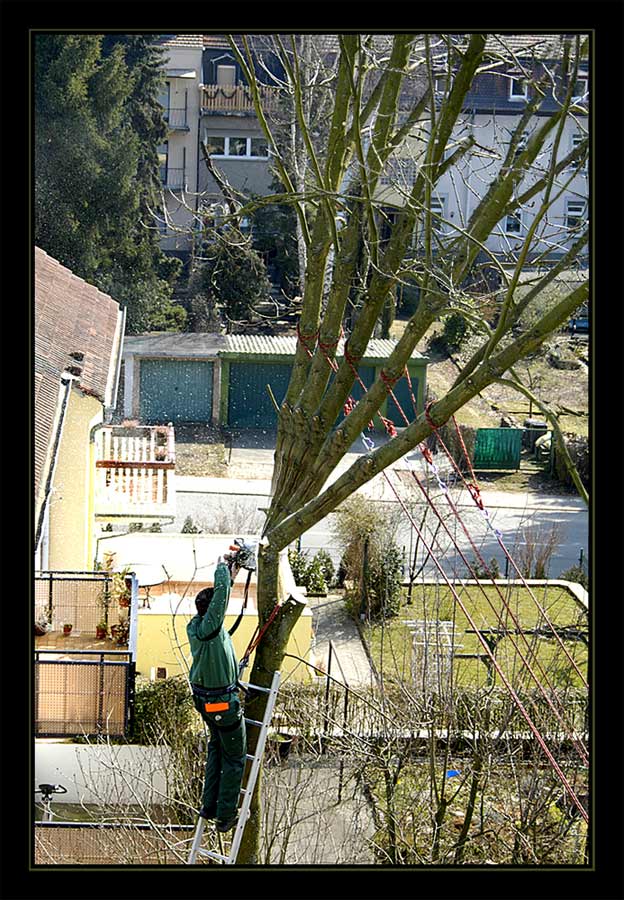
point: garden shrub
(189, 526)
(578, 448)
(409, 298)
(371, 559)
(327, 566)
(450, 339)
(308, 572)
(163, 711)
(577, 574)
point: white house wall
(183, 145)
(466, 184)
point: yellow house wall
(162, 642)
(71, 501)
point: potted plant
(67, 627)
(162, 441)
(280, 743)
(101, 630)
(121, 588)
(120, 632)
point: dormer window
(518, 89)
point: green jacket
(214, 661)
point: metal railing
(75, 598)
(83, 692)
(111, 843)
(176, 118)
(174, 179)
(235, 98)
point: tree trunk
(268, 659)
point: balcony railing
(85, 600)
(176, 119)
(174, 179)
(83, 692)
(135, 472)
(235, 98)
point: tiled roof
(543, 45)
(71, 316)
(183, 40)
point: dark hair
(202, 600)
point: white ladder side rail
(248, 790)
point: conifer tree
(97, 126)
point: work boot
(227, 824)
(206, 813)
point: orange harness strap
(216, 707)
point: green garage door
(249, 403)
(175, 390)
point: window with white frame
(513, 223)
(574, 213)
(518, 89)
(237, 147)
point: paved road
(228, 505)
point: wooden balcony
(238, 98)
(135, 472)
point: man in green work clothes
(213, 678)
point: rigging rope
(475, 493)
(369, 444)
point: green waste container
(497, 448)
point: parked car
(579, 325)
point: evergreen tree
(275, 233)
(97, 126)
(230, 276)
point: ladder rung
(212, 854)
(254, 722)
(256, 687)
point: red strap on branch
(332, 344)
(305, 338)
(388, 381)
(352, 360)
(428, 416)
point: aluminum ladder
(247, 791)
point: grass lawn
(390, 642)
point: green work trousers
(225, 759)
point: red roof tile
(71, 316)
